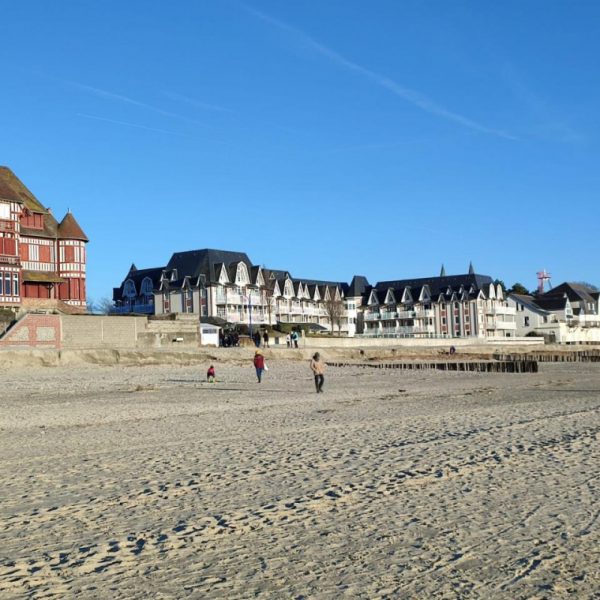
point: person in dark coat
(256, 338)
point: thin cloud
(126, 123)
(120, 98)
(409, 95)
(196, 103)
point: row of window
(9, 284)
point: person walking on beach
(288, 340)
(318, 369)
(295, 338)
(256, 338)
(265, 339)
(259, 364)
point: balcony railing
(7, 226)
(424, 329)
(506, 325)
(388, 315)
(9, 260)
(380, 334)
(424, 313)
(406, 314)
(505, 310)
(144, 309)
(371, 316)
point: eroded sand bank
(147, 482)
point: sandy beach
(148, 482)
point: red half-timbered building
(40, 258)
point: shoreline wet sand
(137, 482)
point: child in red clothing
(210, 374)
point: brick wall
(34, 331)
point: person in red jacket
(259, 364)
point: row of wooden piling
(574, 356)
(509, 366)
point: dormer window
(32, 220)
(129, 289)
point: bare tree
(104, 306)
(334, 307)
(268, 294)
(269, 298)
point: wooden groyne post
(508, 366)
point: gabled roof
(69, 229)
(254, 275)
(196, 262)
(137, 276)
(13, 189)
(576, 292)
(390, 297)
(529, 302)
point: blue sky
(328, 138)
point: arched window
(129, 289)
(241, 276)
(146, 288)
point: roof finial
(471, 269)
(443, 271)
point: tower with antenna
(543, 276)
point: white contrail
(414, 97)
(127, 124)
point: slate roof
(576, 292)
(278, 273)
(137, 276)
(530, 302)
(203, 262)
(318, 282)
(551, 303)
(357, 286)
(437, 286)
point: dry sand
(147, 482)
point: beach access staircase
(182, 330)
